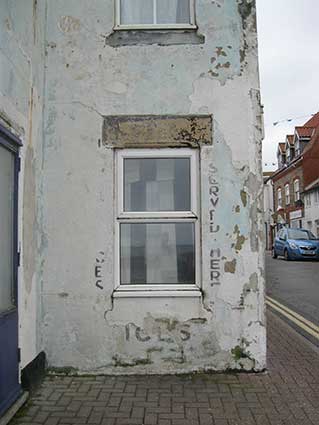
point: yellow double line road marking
(294, 317)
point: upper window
(297, 147)
(308, 199)
(279, 198)
(157, 219)
(139, 14)
(297, 190)
(287, 194)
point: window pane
(136, 11)
(157, 184)
(6, 228)
(173, 12)
(157, 253)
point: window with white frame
(288, 153)
(279, 198)
(316, 196)
(287, 194)
(139, 14)
(308, 199)
(297, 190)
(157, 220)
(297, 146)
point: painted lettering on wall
(162, 332)
(215, 253)
(98, 269)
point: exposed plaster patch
(243, 196)
(219, 63)
(230, 266)
(247, 12)
(254, 233)
(237, 209)
(69, 24)
(240, 239)
(252, 285)
(254, 185)
(245, 9)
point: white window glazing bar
(154, 12)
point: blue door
(9, 354)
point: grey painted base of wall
(33, 374)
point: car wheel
(286, 255)
(273, 253)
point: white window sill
(167, 291)
(156, 27)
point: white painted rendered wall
(83, 327)
(72, 208)
(21, 100)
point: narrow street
(295, 285)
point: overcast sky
(288, 33)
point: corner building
(141, 230)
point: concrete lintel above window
(123, 37)
(129, 131)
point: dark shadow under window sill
(167, 37)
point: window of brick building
(297, 190)
(279, 198)
(287, 194)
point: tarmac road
(295, 284)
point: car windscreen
(300, 234)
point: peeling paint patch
(240, 239)
(252, 286)
(246, 9)
(243, 196)
(230, 266)
(219, 62)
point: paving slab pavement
(287, 394)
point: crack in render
(109, 310)
(88, 107)
(78, 102)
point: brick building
(311, 179)
(298, 169)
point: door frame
(12, 143)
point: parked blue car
(296, 244)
